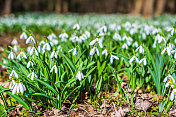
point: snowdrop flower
(33, 50)
(141, 49)
(12, 84)
(168, 48)
(23, 36)
(92, 51)
(54, 68)
(129, 40)
(102, 30)
(51, 36)
(54, 54)
(54, 42)
(42, 42)
(112, 58)
(135, 44)
(30, 63)
(125, 46)
(21, 55)
(15, 48)
(79, 75)
(76, 26)
(105, 52)
(170, 81)
(117, 37)
(124, 38)
(13, 74)
(144, 61)
(174, 51)
(30, 39)
(87, 34)
(171, 29)
(63, 36)
(32, 75)
(14, 42)
(74, 38)
(39, 49)
(4, 62)
(46, 47)
(172, 96)
(19, 87)
(11, 55)
(97, 40)
(134, 58)
(74, 51)
(83, 37)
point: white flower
(23, 36)
(141, 49)
(30, 39)
(170, 81)
(30, 63)
(171, 29)
(97, 40)
(13, 74)
(14, 42)
(59, 48)
(42, 42)
(76, 26)
(54, 68)
(74, 51)
(63, 36)
(47, 47)
(11, 55)
(33, 50)
(112, 58)
(32, 75)
(117, 37)
(21, 55)
(54, 54)
(87, 34)
(79, 75)
(92, 51)
(174, 51)
(19, 87)
(172, 96)
(125, 46)
(129, 41)
(144, 61)
(135, 44)
(169, 49)
(134, 58)
(51, 36)
(12, 84)
(54, 42)
(105, 52)
(15, 48)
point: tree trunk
(160, 7)
(148, 8)
(7, 7)
(171, 5)
(65, 6)
(58, 6)
(137, 7)
(50, 5)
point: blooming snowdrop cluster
(68, 60)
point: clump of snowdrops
(65, 66)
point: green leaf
(47, 86)
(17, 98)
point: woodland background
(146, 8)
